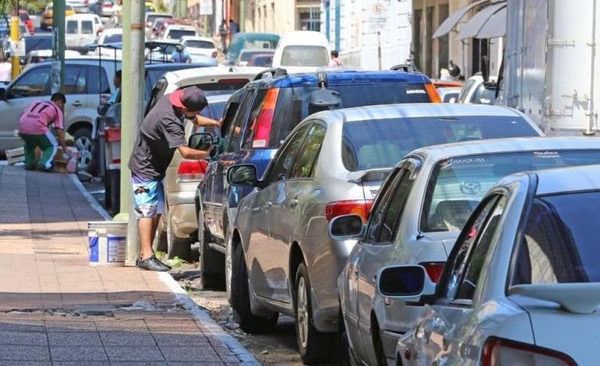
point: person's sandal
(152, 264)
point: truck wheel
(83, 142)
(315, 347)
(177, 247)
(240, 299)
(212, 263)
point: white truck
(551, 65)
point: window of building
(310, 18)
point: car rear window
(458, 184)
(113, 38)
(292, 103)
(178, 33)
(304, 56)
(199, 44)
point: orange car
(447, 83)
(47, 20)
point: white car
(417, 216)
(202, 46)
(107, 37)
(522, 283)
(477, 91)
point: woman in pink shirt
(34, 130)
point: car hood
(569, 332)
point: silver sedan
(332, 164)
(416, 219)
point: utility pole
(58, 44)
(132, 108)
(14, 37)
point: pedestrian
(233, 27)
(223, 36)
(335, 61)
(5, 68)
(115, 97)
(160, 134)
(34, 129)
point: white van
(302, 51)
(81, 30)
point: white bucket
(108, 243)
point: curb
(228, 340)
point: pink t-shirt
(38, 116)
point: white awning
(495, 26)
(474, 26)
(454, 18)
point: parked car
(449, 94)
(278, 102)
(178, 228)
(107, 8)
(302, 51)
(243, 40)
(521, 286)
(203, 46)
(81, 31)
(150, 17)
(478, 91)
(26, 20)
(87, 80)
(48, 15)
(80, 6)
(176, 31)
(110, 36)
(331, 165)
(415, 220)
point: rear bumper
(183, 219)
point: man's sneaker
(152, 264)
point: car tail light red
(433, 93)
(356, 207)
(434, 270)
(215, 54)
(502, 352)
(191, 171)
(262, 127)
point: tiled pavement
(56, 309)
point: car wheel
(345, 358)
(177, 247)
(315, 347)
(83, 142)
(212, 263)
(240, 299)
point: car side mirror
(346, 227)
(200, 141)
(407, 283)
(242, 174)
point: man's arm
(189, 153)
(60, 134)
(207, 122)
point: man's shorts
(148, 198)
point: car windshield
(178, 33)
(38, 43)
(560, 242)
(458, 184)
(304, 56)
(193, 43)
(113, 38)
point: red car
(24, 16)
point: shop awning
(495, 26)
(454, 18)
(476, 24)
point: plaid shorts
(148, 198)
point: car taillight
(214, 54)
(433, 94)
(356, 207)
(434, 270)
(191, 171)
(502, 352)
(262, 127)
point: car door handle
(292, 204)
(77, 103)
(267, 205)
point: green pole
(58, 54)
(242, 20)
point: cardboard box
(14, 156)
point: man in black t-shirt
(160, 134)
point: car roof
(568, 179)
(196, 38)
(490, 146)
(175, 76)
(340, 76)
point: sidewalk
(56, 309)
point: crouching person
(34, 129)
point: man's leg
(49, 146)
(29, 149)
(146, 197)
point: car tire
(85, 146)
(345, 357)
(315, 347)
(177, 247)
(240, 299)
(212, 263)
